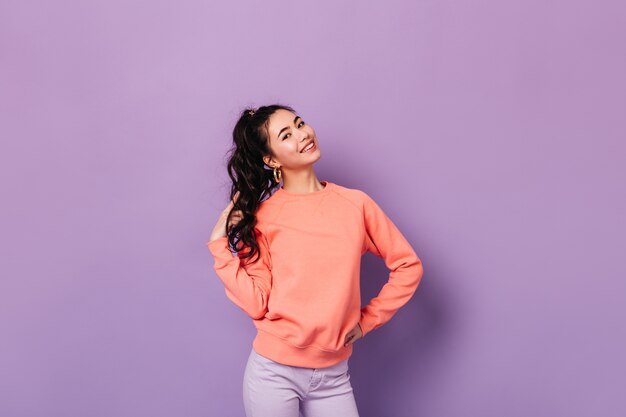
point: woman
(296, 273)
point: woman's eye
(301, 123)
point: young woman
(296, 273)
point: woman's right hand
(220, 227)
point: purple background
(491, 132)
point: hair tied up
(246, 168)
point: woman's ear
(267, 160)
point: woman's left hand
(353, 335)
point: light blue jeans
(272, 389)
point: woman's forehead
(279, 120)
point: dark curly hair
(249, 176)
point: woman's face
(289, 136)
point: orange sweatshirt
(303, 294)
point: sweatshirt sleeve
(246, 284)
(384, 240)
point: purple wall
(491, 132)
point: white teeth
(308, 147)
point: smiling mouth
(308, 147)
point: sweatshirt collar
(285, 194)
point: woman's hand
(353, 335)
(220, 227)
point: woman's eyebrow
(287, 127)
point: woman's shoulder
(356, 195)
(267, 210)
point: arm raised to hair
(246, 284)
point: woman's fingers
(218, 230)
(236, 217)
(353, 335)
(234, 200)
(349, 337)
(231, 203)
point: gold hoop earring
(280, 175)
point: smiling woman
(305, 304)
(303, 140)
